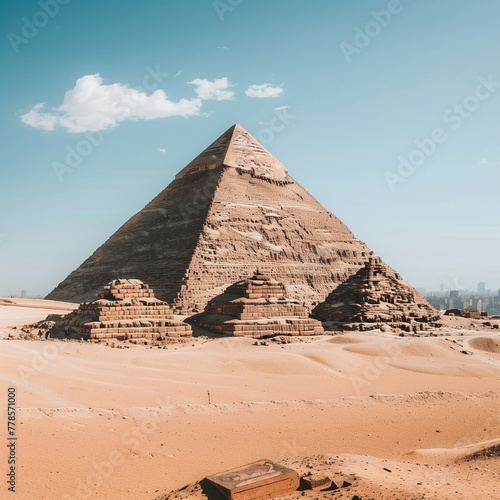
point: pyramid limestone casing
(215, 223)
(376, 293)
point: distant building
(464, 313)
(481, 288)
(24, 294)
(454, 294)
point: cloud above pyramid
(93, 105)
(265, 90)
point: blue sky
(385, 111)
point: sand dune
(487, 344)
(138, 422)
(18, 312)
(87, 374)
(460, 453)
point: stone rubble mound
(375, 294)
(257, 307)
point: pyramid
(124, 309)
(233, 209)
(257, 307)
(376, 293)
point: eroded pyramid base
(257, 307)
(260, 328)
(376, 294)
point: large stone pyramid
(233, 209)
(376, 293)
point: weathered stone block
(259, 480)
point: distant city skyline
(386, 112)
(488, 302)
(443, 289)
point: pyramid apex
(238, 149)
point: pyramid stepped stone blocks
(376, 293)
(125, 309)
(257, 307)
(233, 209)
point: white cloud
(34, 118)
(161, 150)
(281, 108)
(484, 161)
(216, 90)
(264, 90)
(91, 105)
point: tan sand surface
(18, 312)
(136, 422)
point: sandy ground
(138, 422)
(18, 312)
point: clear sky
(386, 111)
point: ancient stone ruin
(256, 481)
(124, 309)
(233, 209)
(465, 313)
(257, 307)
(376, 293)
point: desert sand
(392, 417)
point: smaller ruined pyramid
(376, 293)
(124, 309)
(257, 307)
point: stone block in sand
(259, 480)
